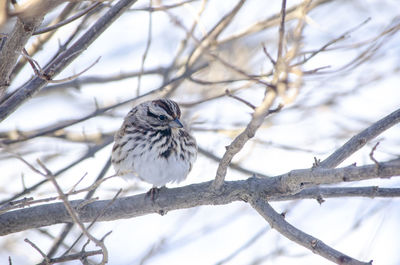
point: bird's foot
(153, 193)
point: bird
(153, 145)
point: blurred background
(344, 76)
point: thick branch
(12, 48)
(30, 16)
(188, 196)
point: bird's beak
(175, 123)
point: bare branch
(371, 154)
(89, 153)
(62, 61)
(276, 221)
(146, 50)
(281, 31)
(191, 196)
(229, 94)
(74, 215)
(231, 165)
(38, 250)
(342, 192)
(69, 20)
(359, 140)
(77, 256)
(258, 117)
(30, 16)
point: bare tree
(288, 102)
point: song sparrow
(153, 145)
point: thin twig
(77, 183)
(89, 153)
(40, 73)
(246, 245)
(97, 112)
(268, 55)
(281, 31)
(162, 7)
(237, 144)
(77, 256)
(146, 51)
(68, 20)
(94, 221)
(23, 203)
(229, 94)
(64, 59)
(68, 227)
(234, 166)
(38, 250)
(74, 214)
(75, 75)
(371, 155)
(331, 42)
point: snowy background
(332, 105)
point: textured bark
(192, 195)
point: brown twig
(268, 55)
(97, 112)
(74, 214)
(38, 250)
(89, 153)
(234, 166)
(41, 74)
(23, 203)
(331, 42)
(77, 256)
(281, 31)
(237, 144)
(151, 8)
(68, 227)
(146, 50)
(371, 155)
(100, 213)
(229, 94)
(68, 20)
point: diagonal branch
(64, 59)
(359, 140)
(29, 16)
(237, 144)
(277, 222)
(74, 215)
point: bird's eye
(162, 117)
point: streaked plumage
(152, 144)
